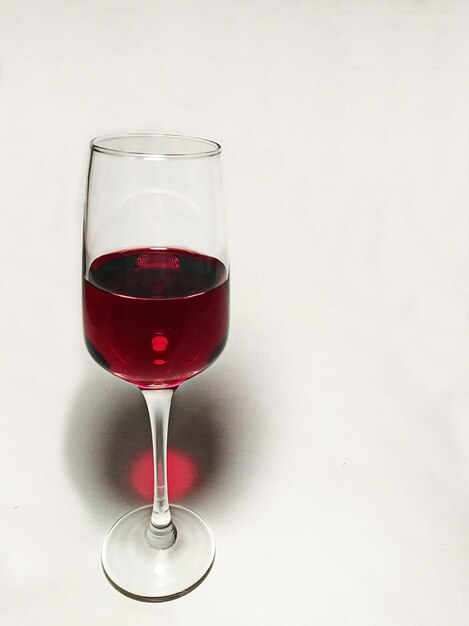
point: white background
(336, 423)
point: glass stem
(161, 532)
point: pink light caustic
(183, 474)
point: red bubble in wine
(159, 343)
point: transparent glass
(155, 312)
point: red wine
(156, 317)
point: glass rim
(212, 147)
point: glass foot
(144, 573)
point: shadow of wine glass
(108, 443)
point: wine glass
(155, 311)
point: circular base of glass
(151, 575)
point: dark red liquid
(156, 317)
